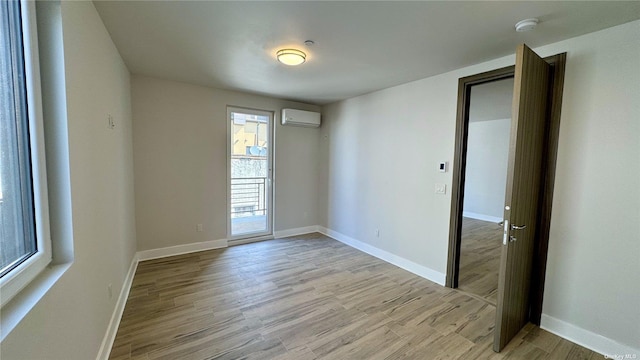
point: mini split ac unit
(293, 117)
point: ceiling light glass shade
(291, 56)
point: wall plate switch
(441, 188)
(442, 167)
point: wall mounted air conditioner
(293, 117)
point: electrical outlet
(377, 232)
(110, 290)
(199, 227)
(441, 188)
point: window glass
(17, 223)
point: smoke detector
(526, 25)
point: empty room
(320, 180)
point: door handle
(507, 238)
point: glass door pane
(250, 173)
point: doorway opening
(484, 188)
(250, 161)
(529, 188)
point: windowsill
(18, 308)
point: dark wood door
(522, 194)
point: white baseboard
(114, 323)
(482, 217)
(218, 244)
(396, 260)
(586, 338)
(295, 232)
(181, 249)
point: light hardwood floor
(480, 258)
(308, 297)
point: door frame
(269, 181)
(556, 85)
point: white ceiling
(360, 46)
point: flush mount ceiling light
(291, 57)
(526, 25)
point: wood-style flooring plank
(480, 258)
(304, 298)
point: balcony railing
(248, 197)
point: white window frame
(19, 277)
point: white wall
(380, 158)
(381, 162)
(593, 272)
(70, 321)
(180, 151)
(486, 170)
